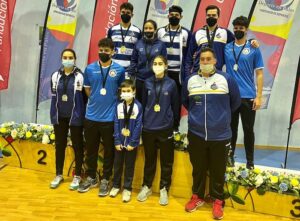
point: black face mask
(211, 21)
(174, 21)
(104, 57)
(125, 18)
(149, 34)
(239, 34)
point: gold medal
(103, 91)
(235, 67)
(126, 132)
(171, 50)
(123, 49)
(156, 108)
(64, 98)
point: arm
(230, 36)
(234, 93)
(260, 83)
(185, 94)
(122, 77)
(109, 33)
(117, 134)
(175, 106)
(136, 133)
(184, 56)
(132, 69)
(189, 61)
(164, 50)
(258, 66)
(86, 83)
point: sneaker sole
(218, 218)
(193, 210)
(73, 188)
(103, 194)
(144, 199)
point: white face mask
(207, 68)
(68, 63)
(158, 70)
(127, 96)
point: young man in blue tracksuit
(101, 82)
(144, 51)
(67, 112)
(242, 61)
(210, 97)
(161, 118)
(128, 128)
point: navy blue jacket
(134, 125)
(75, 96)
(210, 102)
(140, 65)
(168, 116)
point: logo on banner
(66, 5)
(162, 6)
(279, 5)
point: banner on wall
(295, 112)
(270, 25)
(59, 34)
(226, 8)
(6, 15)
(106, 15)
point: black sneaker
(250, 165)
(103, 188)
(87, 184)
(230, 161)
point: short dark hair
(70, 50)
(210, 7)
(207, 49)
(175, 8)
(127, 6)
(242, 21)
(128, 83)
(106, 42)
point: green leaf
(226, 194)
(6, 152)
(238, 199)
(234, 188)
(295, 192)
(260, 191)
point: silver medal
(235, 67)
(103, 91)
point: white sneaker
(75, 183)
(126, 195)
(163, 197)
(56, 181)
(144, 193)
(114, 192)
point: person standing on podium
(67, 113)
(101, 82)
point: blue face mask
(68, 63)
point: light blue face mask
(68, 63)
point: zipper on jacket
(205, 120)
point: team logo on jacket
(113, 73)
(218, 35)
(246, 51)
(214, 86)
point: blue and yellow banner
(59, 34)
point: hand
(129, 148)
(118, 147)
(255, 43)
(257, 103)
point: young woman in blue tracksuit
(127, 132)
(67, 112)
(143, 53)
(161, 118)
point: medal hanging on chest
(104, 79)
